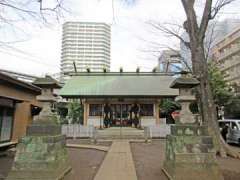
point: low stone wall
(78, 131)
(157, 131)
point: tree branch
(205, 19)
(168, 31)
(191, 25)
(17, 8)
(218, 6)
(28, 8)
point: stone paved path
(118, 163)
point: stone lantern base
(190, 154)
(41, 155)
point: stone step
(120, 137)
(120, 133)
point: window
(95, 110)
(146, 109)
(234, 126)
(6, 121)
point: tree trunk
(200, 70)
(208, 108)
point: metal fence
(79, 131)
(157, 131)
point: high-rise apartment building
(227, 55)
(87, 45)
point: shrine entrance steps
(120, 133)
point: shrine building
(121, 91)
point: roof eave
(118, 96)
(20, 83)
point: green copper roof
(145, 85)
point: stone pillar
(189, 148)
(42, 153)
(85, 113)
(157, 113)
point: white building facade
(85, 45)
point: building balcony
(229, 39)
(231, 64)
(230, 52)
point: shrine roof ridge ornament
(120, 74)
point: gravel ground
(148, 161)
(149, 158)
(5, 164)
(84, 162)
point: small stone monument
(42, 154)
(190, 154)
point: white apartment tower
(88, 45)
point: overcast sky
(40, 51)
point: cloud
(130, 35)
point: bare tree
(15, 14)
(178, 31)
(199, 57)
(19, 10)
(196, 32)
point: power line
(30, 57)
(27, 59)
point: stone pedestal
(40, 158)
(190, 154)
(42, 153)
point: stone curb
(82, 146)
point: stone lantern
(42, 153)
(189, 148)
(185, 98)
(46, 121)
